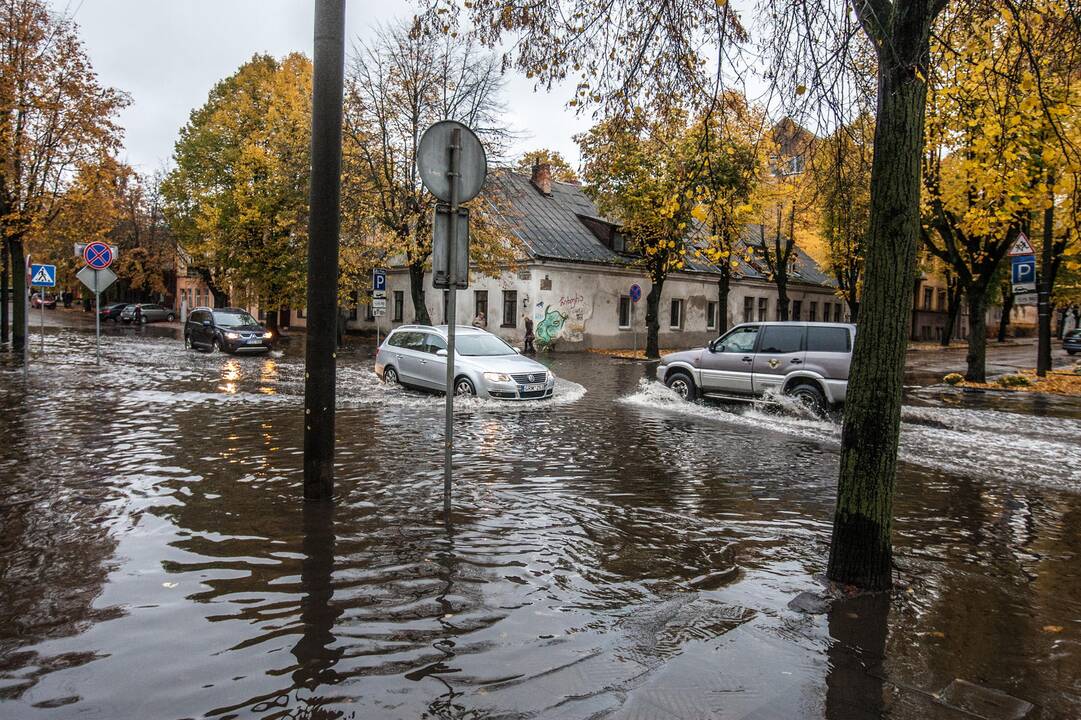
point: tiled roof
(550, 228)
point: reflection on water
(613, 553)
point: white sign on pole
(379, 311)
(379, 293)
(379, 303)
(96, 280)
(1021, 246)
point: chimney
(542, 177)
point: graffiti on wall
(564, 319)
(549, 325)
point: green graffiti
(547, 330)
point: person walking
(138, 314)
(480, 321)
(528, 349)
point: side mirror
(441, 352)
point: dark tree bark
(853, 309)
(777, 261)
(724, 284)
(18, 293)
(1048, 270)
(861, 550)
(5, 266)
(1007, 308)
(953, 308)
(1077, 316)
(1060, 326)
(976, 358)
(416, 291)
(653, 321)
(272, 322)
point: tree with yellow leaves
(238, 196)
(55, 118)
(724, 143)
(993, 158)
(637, 170)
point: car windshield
(479, 345)
(233, 319)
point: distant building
(575, 275)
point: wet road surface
(613, 553)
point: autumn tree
(724, 145)
(237, 198)
(561, 169)
(399, 83)
(636, 170)
(990, 168)
(55, 118)
(840, 168)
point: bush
(1013, 381)
(953, 378)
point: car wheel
(681, 384)
(390, 376)
(216, 346)
(187, 342)
(463, 386)
(144, 320)
(810, 396)
(170, 317)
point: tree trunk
(977, 335)
(723, 288)
(416, 291)
(953, 307)
(653, 322)
(1044, 286)
(4, 287)
(1077, 318)
(861, 550)
(18, 292)
(853, 309)
(272, 322)
(782, 298)
(1060, 328)
(1007, 308)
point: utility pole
(324, 223)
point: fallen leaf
(1052, 628)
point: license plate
(532, 388)
(255, 341)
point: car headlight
(232, 335)
(497, 377)
(268, 335)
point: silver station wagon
(484, 365)
(806, 360)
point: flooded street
(613, 553)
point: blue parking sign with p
(43, 275)
(1023, 269)
(379, 279)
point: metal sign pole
(634, 329)
(452, 281)
(43, 323)
(97, 323)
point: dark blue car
(1071, 342)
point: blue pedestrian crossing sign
(43, 275)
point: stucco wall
(576, 307)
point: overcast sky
(167, 54)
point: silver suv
(807, 360)
(484, 365)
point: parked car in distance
(147, 313)
(230, 330)
(809, 361)
(49, 301)
(112, 312)
(484, 365)
(1071, 341)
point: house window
(300, 313)
(812, 312)
(399, 305)
(748, 309)
(797, 309)
(676, 318)
(763, 309)
(941, 300)
(624, 312)
(711, 315)
(480, 303)
(354, 300)
(927, 294)
(510, 308)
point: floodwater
(613, 553)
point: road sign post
(636, 295)
(97, 281)
(42, 276)
(452, 165)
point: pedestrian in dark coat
(528, 349)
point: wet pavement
(613, 553)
